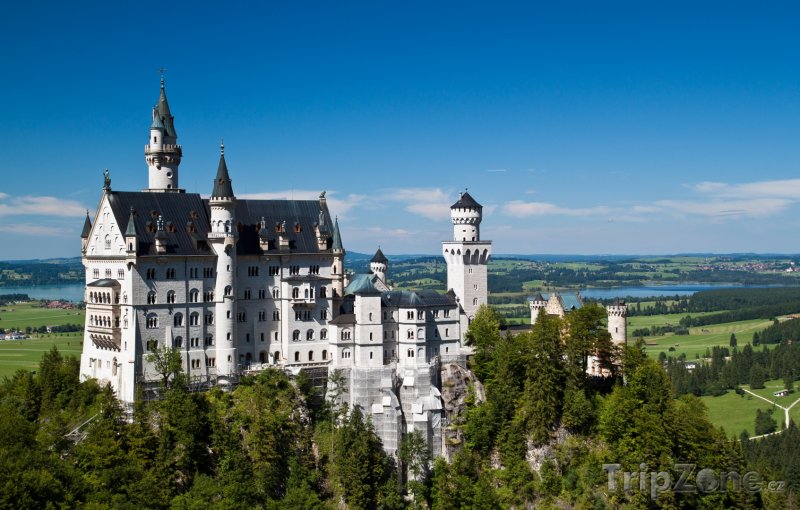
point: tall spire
(337, 237)
(164, 113)
(131, 230)
(87, 226)
(222, 182)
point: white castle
(237, 286)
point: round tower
(618, 322)
(337, 267)
(222, 238)
(538, 303)
(466, 215)
(379, 265)
(162, 152)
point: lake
(74, 292)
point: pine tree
(757, 377)
(733, 341)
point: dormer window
(297, 228)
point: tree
(757, 377)
(733, 340)
(765, 423)
(168, 365)
(788, 378)
(484, 336)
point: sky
(582, 128)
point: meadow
(736, 413)
(25, 354)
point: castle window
(192, 272)
(262, 294)
(410, 334)
(208, 319)
(297, 356)
(171, 296)
(420, 314)
(323, 292)
(152, 344)
(151, 298)
(436, 314)
(295, 293)
(151, 274)
(346, 335)
(178, 342)
(370, 316)
(108, 273)
(345, 353)
(323, 314)
(294, 270)
(370, 336)
(410, 315)
(193, 295)
(370, 355)
(447, 313)
(410, 353)
(420, 333)
(323, 334)
(208, 296)
(262, 337)
(296, 335)
(475, 301)
(247, 338)
(446, 332)
(178, 320)
(276, 293)
(313, 270)
(194, 319)
(96, 273)
(297, 228)
(324, 354)
(252, 271)
(310, 334)
(310, 355)
(120, 274)
(276, 315)
(208, 272)
(274, 270)
(275, 336)
(247, 294)
(210, 340)
(108, 242)
(211, 362)
(262, 316)
(152, 321)
(241, 316)
(228, 290)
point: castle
(237, 286)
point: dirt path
(785, 411)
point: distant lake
(683, 289)
(71, 292)
(74, 292)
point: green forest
(543, 434)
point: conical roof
(222, 182)
(337, 238)
(379, 257)
(131, 230)
(87, 227)
(164, 113)
(465, 201)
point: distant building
(237, 286)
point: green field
(19, 316)
(25, 354)
(736, 413)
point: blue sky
(590, 128)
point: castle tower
(379, 265)
(338, 261)
(222, 238)
(618, 322)
(162, 152)
(467, 256)
(538, 303)
(86, 232)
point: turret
(162, 153)
(537, 304)
(87, 230)
(466, 215)
(161, 236)
(618, 321)
(131, 239)
(338, 261)
(379, 265)
(222, 238)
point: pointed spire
(222, 182)
(157, 124)
(164, 113)
(131, 230)
(379, 257)
(87, 226)
(337, 238)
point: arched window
(171, 296)
(310, 355)
(151, 297)
(152, 321)
(324, 354)
(296, 335)
(421, 352)
(420, 334)
(194, 295)
(323, 335)
(178, 341)
(228, 290)
(194, 319)
(475, 301)
(323, 292)
(297, 356)
(276, 356)
(310, 334)
(295, 293)
(178, 320)
(306, 293)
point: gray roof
(222, 182)
(187, 218)
(465, 201)
(131, 230)
(105, 282)
(379, 257)
(163, 111)
(362, 284)
(417, 299)
(87, 227)
(337, 237)
(157, 121)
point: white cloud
(35, 230)
(45, 206)
(786, 188)
(431, 203)
(521, 209)
(718, 208)
(496, 170)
